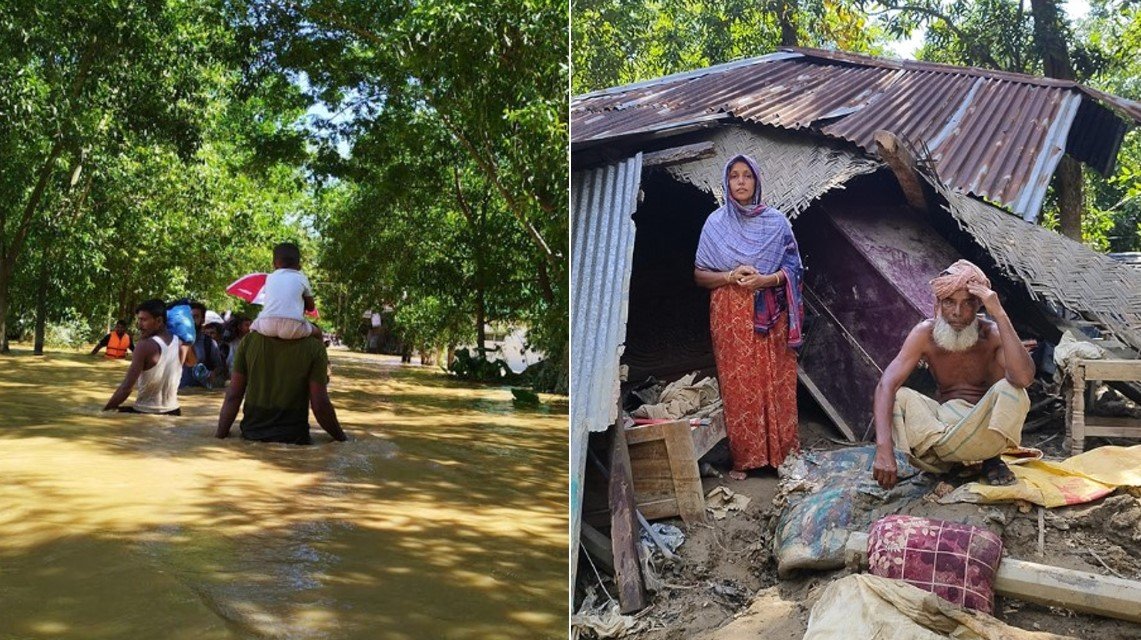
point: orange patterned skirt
(757, 377)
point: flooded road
(444, 516)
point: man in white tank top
(156, 365)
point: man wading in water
(156, 366)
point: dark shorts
(174, 412)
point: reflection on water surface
(443, 517)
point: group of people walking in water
(277, 362)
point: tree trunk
(1051, 43)
(1068, 181)
(5, 276)
(545, 284)
(786, 13)
(480, 320)
(41, 305)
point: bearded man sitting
(981, 372)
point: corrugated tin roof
(993, 134)
(602, 252)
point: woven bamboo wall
(1054, 267)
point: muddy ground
(726, 586)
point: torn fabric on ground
(680, 398)
(1083, 478)
(830, 493)
(866, 606)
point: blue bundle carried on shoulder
(180, 322)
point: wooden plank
(1077, 590)
(686, 475)
(705, 437)
(822, 400)
(624, 526)
(1052, 586)
(665, 472)
(659, 508)
(1112, 369)
(598, 545)
(678, 155)
(651, 432)
(1105, 426)
(651, 472)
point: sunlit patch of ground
(443, 517)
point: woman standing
(748, 256)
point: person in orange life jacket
(117, 342)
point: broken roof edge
(845, 159)
(685, 75)
(1122, 106)
(1130, 108)
(706, 120)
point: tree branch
(11, 252)
(491, 172)
(33, 203)
(485, 165)
(464, 207)
(979, 52)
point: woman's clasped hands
(747, 276)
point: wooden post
(1077, 428)
(624, 526)
(898, 157)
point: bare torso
(965, 375)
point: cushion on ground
(955, 561)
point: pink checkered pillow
(954, 561)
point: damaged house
(889, 172)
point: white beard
(947, 338)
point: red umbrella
(251, 289)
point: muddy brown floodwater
(444, 516)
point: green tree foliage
(453, 196)
(615, 42)
(134, 164)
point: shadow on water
(443, 517)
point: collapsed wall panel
(866, 287)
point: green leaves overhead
(134, 164)
(451, 205)
(617, 42)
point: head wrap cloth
(760, 236)
(956, 277)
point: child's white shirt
(283, 291)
